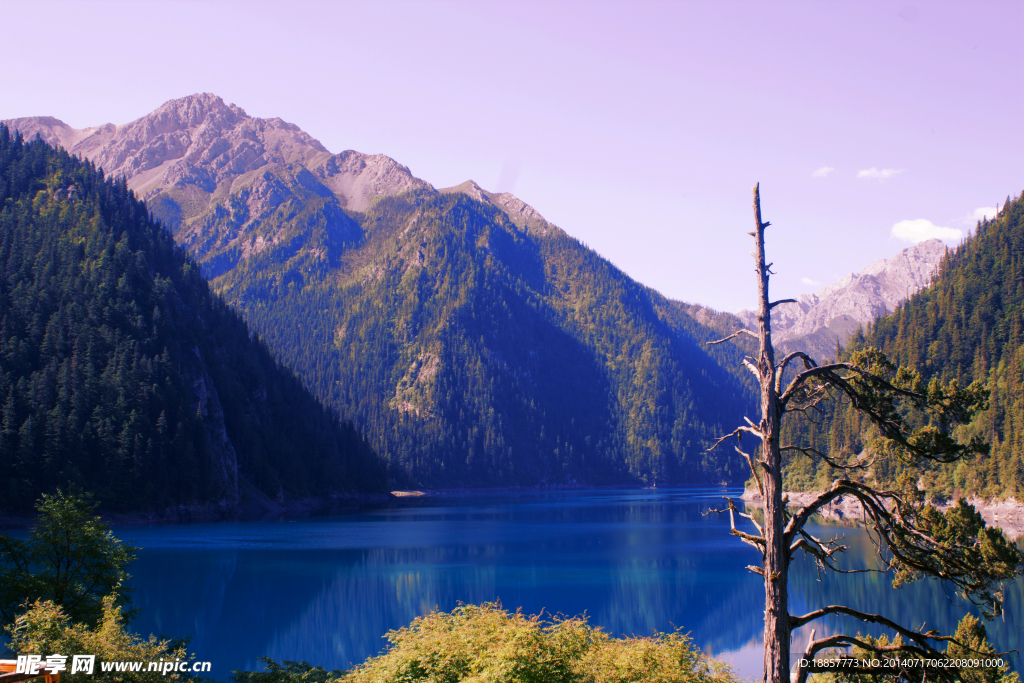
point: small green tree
(969, 646)
(70, 558)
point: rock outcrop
(816, 321)
(230, 185)
(521, 213)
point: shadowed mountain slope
(122, 374)
(472, 341)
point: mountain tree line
(475, 352)
(967, 326)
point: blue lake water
(327, 589)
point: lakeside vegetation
(489, 643)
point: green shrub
(474, 644)
(45, 629)
(70, 558)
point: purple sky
(638, 127)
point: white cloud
(975, 216)
(810, 282)
(822, 172)
(922, 229)
(878, 174)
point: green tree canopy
(70, 558)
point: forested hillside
(122, 374)
(472, 342)
(475, 351)
(968, 325)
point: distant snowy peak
(835, 311)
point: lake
(327, 589)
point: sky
(637, 127)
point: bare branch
(749, 539)
(753, 470)
(810, 398)
(781, 301)
(798, 520)
(828, 372)
(808, 361)
(801, 671)
(736, 432)
(732, 336)
(862, 463)
(920, 637)
(753, 521)
(844, 641)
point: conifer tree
(914, 540)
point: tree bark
(776, 603)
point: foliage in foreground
(914, 424)
(487, 643)
(47, 629)
(70, 558)
(971, 643)
(287, 672)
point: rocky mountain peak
(357, 179)
(218, 177)
(189, 112)
(521, 213)
(835, 311)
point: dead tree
(913, 540)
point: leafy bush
(486, 643)
(45, 629)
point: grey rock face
(521, 213)
(835, 311)
(197, 160)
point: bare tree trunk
(967, 564)
(776, 607)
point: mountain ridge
(121, 373)
(833, 313)
(473, 341)
(204, 166)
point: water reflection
(327, 590)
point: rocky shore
(1007, 514)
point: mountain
(229, 185)
(121, 373)
(472, 341)
(967, 325)
(816, 321)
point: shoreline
(251, 509)
(257, 506)
(1007, 514)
